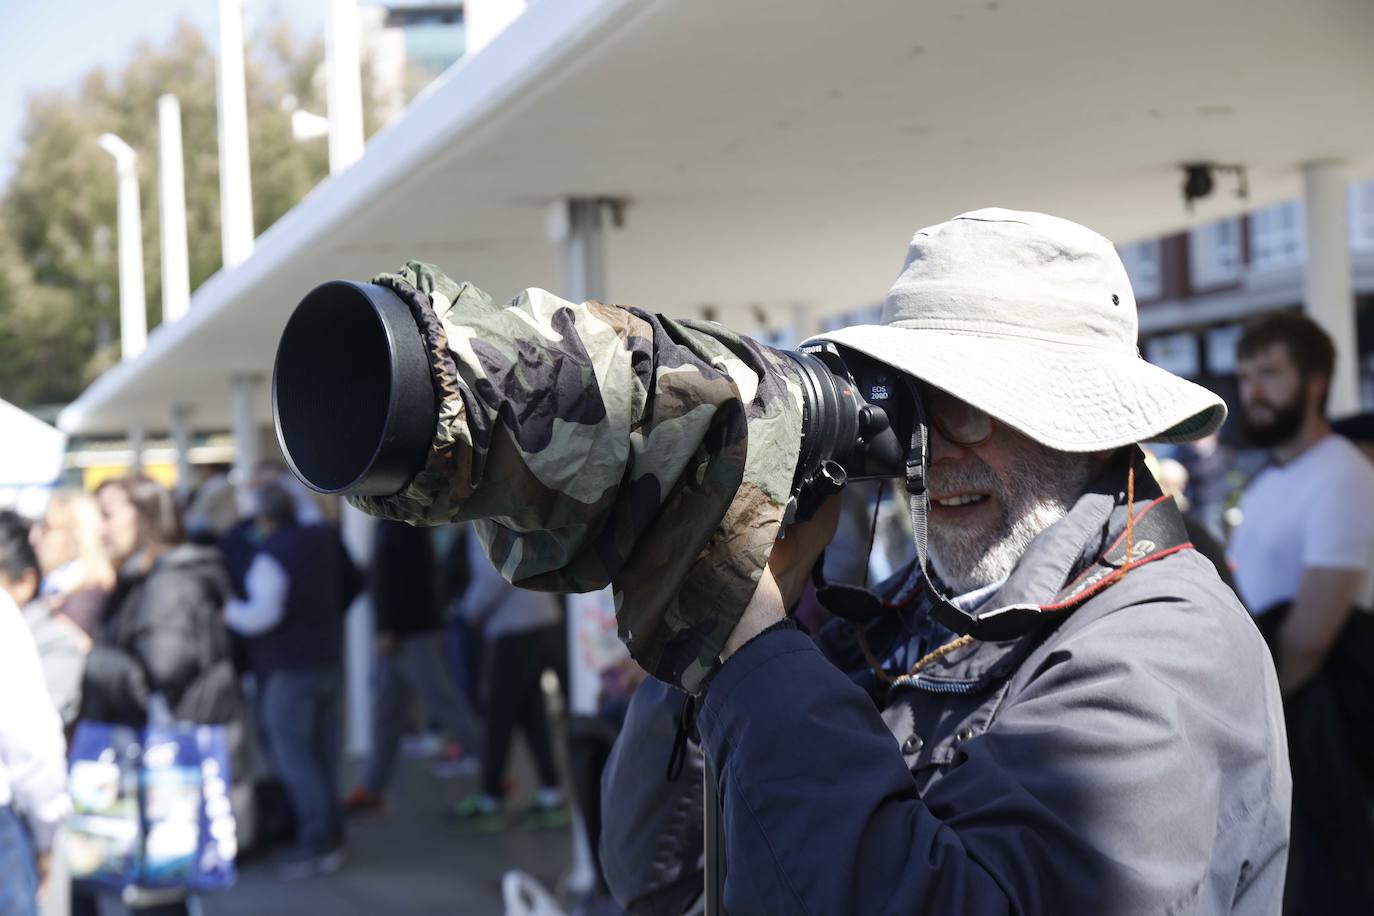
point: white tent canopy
(30, 462)
(777, 154)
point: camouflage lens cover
(598, 444)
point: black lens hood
(353, 395)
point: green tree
(59, 308)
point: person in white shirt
(1306, 539)
(33, 766)
(1303, 554)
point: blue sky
(51, 44)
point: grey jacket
(62, 648)
(1128, 759)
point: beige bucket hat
(1031, 318)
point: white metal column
(360, 645)
(181, 441)
(138, 442)
(576, 225)
(1328, 290)
(235, 178)
(344, 85)
(133, 316)
(243, 393)
(176, 278)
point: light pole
(176, 279)
(235, 179)
(133, 318)
(344, 85)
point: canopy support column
(243, 391)
(181, 440)
(1328, 291)
(576, 226)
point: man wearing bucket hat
(1106, 736)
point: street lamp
(133, 319)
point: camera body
(857, 422)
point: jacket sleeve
(598, 444)
(63, 649)
(32, 748)
(1096, 791)
(651, 835)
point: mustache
(972, 473)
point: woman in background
(77, 575)
(161, 631)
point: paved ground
(407, 862)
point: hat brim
(1068, 397)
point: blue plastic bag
(151, 809)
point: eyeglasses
(960, 423)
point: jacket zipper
(932, 686)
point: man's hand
(799, 547)
(789, 565)
(386, 643)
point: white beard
(1041, 489)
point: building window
(1143, 267)
(1177, 353)
(1361, 207)
(1277, 238)
(1214, 254)
(1222, 343)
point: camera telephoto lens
(356, 409)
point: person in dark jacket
(296, 590)
(404, 586)
(1107, 734)
(162, 630)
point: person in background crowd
(296, 590)
(241, 540)
(521, 633)
(462, 643)
(403, 583)
(162, 631)
(1173, 481)
(1212, 480)
(62, 645)
(212, 509)
(1303, 554)
(77, 574)
(33, 768)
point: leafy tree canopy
(59, 301)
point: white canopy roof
(30, 462)
(778, 154)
